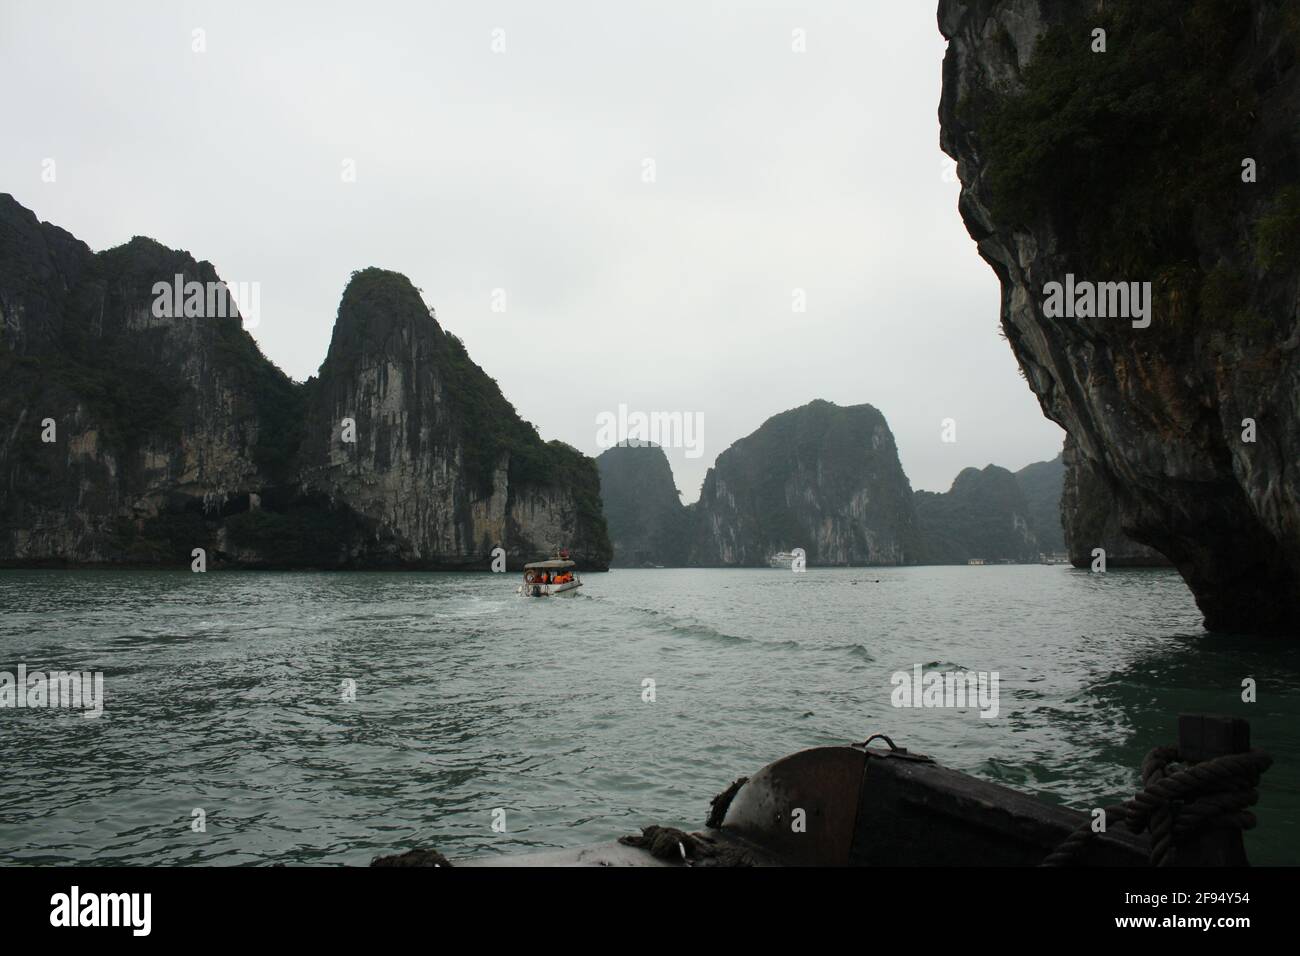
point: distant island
(827, 479)
(820, 477)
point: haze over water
(224, 692)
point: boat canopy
(549, 565)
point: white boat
(545, 578)
(782, 559)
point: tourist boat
(555, 576)
(782, 559)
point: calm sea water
(224, 692)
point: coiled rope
(1177, 800)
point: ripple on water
(225, 692)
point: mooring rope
(1178, 800)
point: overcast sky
(524, 169)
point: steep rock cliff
(155, 423)
(647, 522)
(983, 515)
(1131, 165)
(174, 433)
(821, 477)
(435, 455)
(1091, 520)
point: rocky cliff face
(436, 455)
(169, 434)
(820, 477)
(984, 515)
(1172, 158)
(151, 424)
(647, 521)
(1091, 520)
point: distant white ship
(782, 559)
